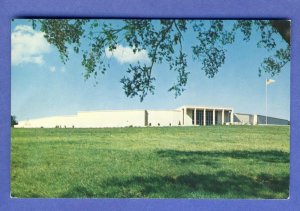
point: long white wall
(258, 119)
(90, 120)
(271, 120)
(164, 117)
(48, 122)
(121, 118)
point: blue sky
(43, 86)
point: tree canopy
(163, 40)
(13, 121)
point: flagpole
(266, 102)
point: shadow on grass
(219, 185)
(209, 157)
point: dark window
(193, 117)
(199, 117)
(209, 117)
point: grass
(161, 162)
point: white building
(183, 116)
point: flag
(269, 81)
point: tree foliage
(13, 121)
(163, 40)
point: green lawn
(165, 162)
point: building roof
(204, 107)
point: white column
(204, 117)
(195, 117)
(222, 116)
(214, 117)
(231, 117)
(255, 119)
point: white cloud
(28, 46)
(126, 55)
(52, 69)
(56, 69)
